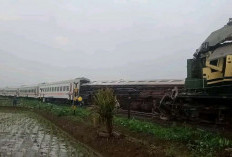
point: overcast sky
(50, 40)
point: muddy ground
(23, 133)
(124, 147)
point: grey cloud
(129, 39)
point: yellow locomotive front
(212, 62)
(218, 65)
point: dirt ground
(127, 146)
(123, 147)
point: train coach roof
(62, 82)
(29, 86)
(142, 82)
(10, 88)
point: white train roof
(140, 82)
(10, 88)
(28, 86)
(63, 82)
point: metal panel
(221, 52)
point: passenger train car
(61, 89)
(9, 91)
(143, 93)
(28, 91)
(52, 90)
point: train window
(60, 88)
(214, 62)
(67, 88)
(64, 88)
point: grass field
(198, 142)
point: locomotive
(207, 94)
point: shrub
(104, 106)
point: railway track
(136, 113)
(200, 124)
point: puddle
(25, 134)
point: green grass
(59, 110)
(199, 141)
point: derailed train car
(141, 95)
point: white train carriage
(29, 91)
(10, 91)
(61, 89)
(1, 91)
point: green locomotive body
(207, 94)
